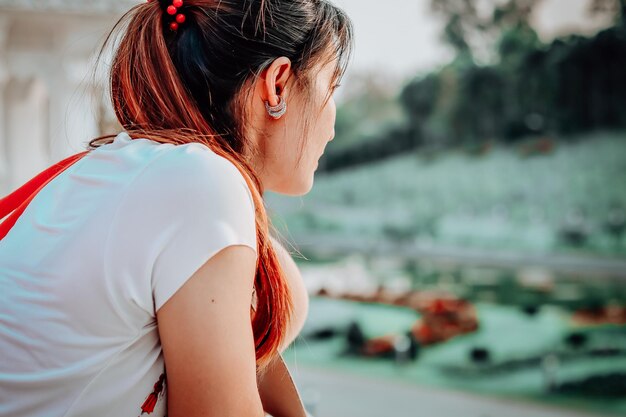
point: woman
(127, 272)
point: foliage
(615, 8)
(367, 110)
(473, 26)
(532, 197)
(571, 86)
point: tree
(473, 27)
(419, 99)
(615, 8)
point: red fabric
(150, 402)
(13, 205)
(148, 405)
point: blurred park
(464, 244)
(466, 230)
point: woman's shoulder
(182, 205)
(185, 171)
(185, 189)
(187, 161)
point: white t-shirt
(97, 252)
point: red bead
(174, 26)
(171, 10)
(177, 3)
(180, 18)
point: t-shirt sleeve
(185, 207)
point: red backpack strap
(15, 203)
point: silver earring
(278, 110)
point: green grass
(500, 200)
(508, 333)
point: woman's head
(288, 149)
(208, 82)
(213, 74)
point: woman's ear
(275, 80)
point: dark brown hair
(189, 85)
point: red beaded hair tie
(172, 10)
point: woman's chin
(297, 186)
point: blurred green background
(496, 176)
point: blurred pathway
(334, 394)
(599, 267)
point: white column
(26, 129)
(75, 105)
(4, 77)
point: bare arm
(207, 340)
